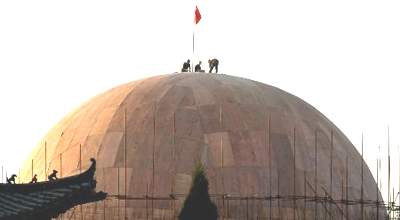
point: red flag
(197, 15)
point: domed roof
(239, 128)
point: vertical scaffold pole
(118, 193)
(80, 158)
(125, 164)
(392, 210)
(331, 169)
(347, 187)
(380, 165)
(305, 195)
(270, 164)
(80, 171)
(294, 173)
(247, 208)
(45, 161)
(147, 197)
(173, 171)
(222, 164)
(341, 204)
(377, 189)
(104, 201)
(315, 178)
(362, 176)
(279, 204)
(154, 143)
(388, 170)
(61, 171)
(325, 209)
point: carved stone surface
(221, 119)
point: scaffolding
(276, 205)
(246, 208)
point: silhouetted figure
(11, 180)
(213, 63)
(186, 66)
(53, 176)
(197, 68)
(34, 179)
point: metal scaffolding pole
(45, 161)
(305, 195)
(388, 168)
(222, 163)
(104, 201)
(315, 178)
(125, 164)
(294, 173)
(332, 201)
(347, 187)
(323, 205)
(341, 202)
(279, 205)
(270, 164)
(118, 193)
(173, 171)
(147, 204)
(153, 158)
(80, 170)
(377, 189)
(380, 168)
(331, 169)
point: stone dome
(245, 133)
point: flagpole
(197, 17)
(193, 52)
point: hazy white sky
(340, 56)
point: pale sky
(340, 56)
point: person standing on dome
(186, 66)
(213, 63)
(197, 68)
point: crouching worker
(197, 68)
(34, 179)
(186, 66)
(53, 176)
(11, 180)
(213, 63)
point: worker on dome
(213, 63)
(11, 180)
(197, 68)
(53, 176)
(34, 179)
(186, 66)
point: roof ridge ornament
(56, 196)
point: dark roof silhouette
(46, 200)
